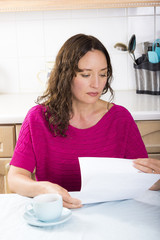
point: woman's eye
(103, 75)
(85, 75)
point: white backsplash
(30, 39)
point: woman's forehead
(93, 59)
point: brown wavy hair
(57, 98)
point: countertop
(14, 107)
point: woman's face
(88, 84)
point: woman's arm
(149, 165)
(19, 181)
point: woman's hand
(20, 182)
(149, 165)
(68, 201)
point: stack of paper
(109, 179)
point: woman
(70, 122)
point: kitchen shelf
(46, 5)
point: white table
(127, 220)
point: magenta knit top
(56, 158)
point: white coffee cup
(47, 207)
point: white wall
(29, 39)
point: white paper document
(109, 179)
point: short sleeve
(135, 147)
(24, 156)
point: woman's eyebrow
(103, 69)
(87, 69)
(84, 69)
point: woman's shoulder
(36, 112)
(120, 112)
(115, 110)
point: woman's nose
(94, 81)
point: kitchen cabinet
(7, 145)
(18, 128)
(7, 140)
(150, 132)
(3, 172)
(45, 5)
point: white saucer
(32, 220)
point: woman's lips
(92, 94)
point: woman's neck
(85, 116)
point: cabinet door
(156, 156)
(18, 128)
(150, 132)
(7, 141)
(3, 182)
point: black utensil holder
(147, 77)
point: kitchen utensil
(152, 57)
(154, 54)
(132, 46)
(156, 48)
(121, 47)
(144, 47)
